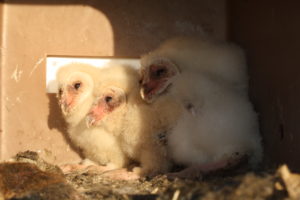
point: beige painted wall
(269, 31)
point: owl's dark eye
(77, 85)
(108, 99)
(60, 92)
(160, 72)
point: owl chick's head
(76, 84)
(108, 102)
(157, 75)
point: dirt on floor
(28, 177)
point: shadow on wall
(269, 31)
(56, 121)
(139, 26)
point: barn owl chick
(77, 85)
(218, 60)
(138, 126)
(209, 80)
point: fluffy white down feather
(213, 79)
(223, 123)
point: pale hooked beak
(90, 121)
(147, 92)
(95, 114)
(145, 95)
(64, 105)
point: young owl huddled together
(77, 93)
(187, 105)
(110, 122)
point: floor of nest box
(41, 180)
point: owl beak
(65, 104)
